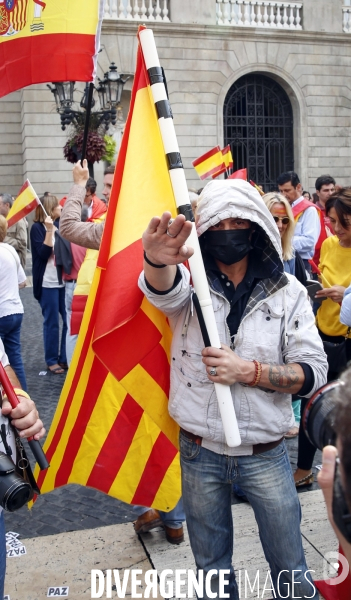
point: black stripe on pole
(155, 75)
(163, 109)
(87, 121)
(174, 161)
(205, 336)
(187, 211)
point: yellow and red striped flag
(209, 163)
(261, 192)
(227, 156)
(48, 41)
(26, 201)
(112, 430)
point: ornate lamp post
(109, 92)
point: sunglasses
(284, 220)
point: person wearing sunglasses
(281, 212)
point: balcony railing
(259, 13)
(137, 10)
(346, 22)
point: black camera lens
(319, 416)
(14, 490)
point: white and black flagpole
(180, 190)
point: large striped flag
(51, 40)
(112, 430)
(26, 201)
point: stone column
(193, 11)
(323, 15)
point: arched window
(258, 125)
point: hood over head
(236, 198)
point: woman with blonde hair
(281, 212)
(46, 288)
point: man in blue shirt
(308, 225)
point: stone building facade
(206, 47)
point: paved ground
(72, 507)
(66, 559)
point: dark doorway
(258, 125)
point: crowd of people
(279, 271)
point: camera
(14, 490)
(318, 421)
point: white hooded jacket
(277, 327)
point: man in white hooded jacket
(270, 350)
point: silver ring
(170, 235)
(213, 371)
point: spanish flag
(240, 174)
(210, 163)
(228, 158)
(48, 41)
(261, 192)
(26, 201)
(112, 430)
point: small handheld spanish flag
(240, 174)
(261, 192)
(228, 158)
(26, 201)
(209, 164)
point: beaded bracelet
(151, 263)
(258, 373)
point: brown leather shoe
(174, 536)
(147, 521)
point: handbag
(338, 355)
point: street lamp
(109, 92)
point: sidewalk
(67, 559)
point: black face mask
(228, 246)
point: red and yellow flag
(240, 174)
(209, 163)
(112, 430)
(228, 158)
(51, 40)
(261, 192)
(26, 201)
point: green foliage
(110, 151)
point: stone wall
(201, 64)
(11, 160)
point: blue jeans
(71, 340)
(52, 302)
(10, 333)
(173, 519)
(2, 554)
(267, 481)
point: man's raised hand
(164, 248)
(80, 173)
